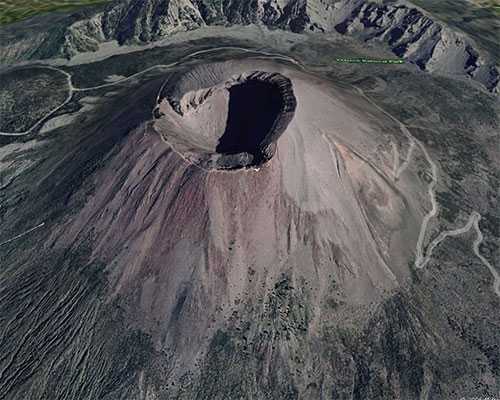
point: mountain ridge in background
(406, 30)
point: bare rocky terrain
(232, 214)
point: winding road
(423, 255)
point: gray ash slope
(407, 30)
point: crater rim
(185, 95)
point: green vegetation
(16, 10)
(489, 4)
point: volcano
(236, 228)
(250, 173)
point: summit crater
(226, 116)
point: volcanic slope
(322, 191)
(183, 239)
(180, 260)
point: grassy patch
(16, 10)
(490, 4)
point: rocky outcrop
(132, 21)
(419, 39)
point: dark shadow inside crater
(254, 107)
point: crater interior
(254, 107)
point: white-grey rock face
(143, 21)
(419, 39)
(132, 21)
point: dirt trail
(22, 234)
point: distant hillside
(407, 30)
